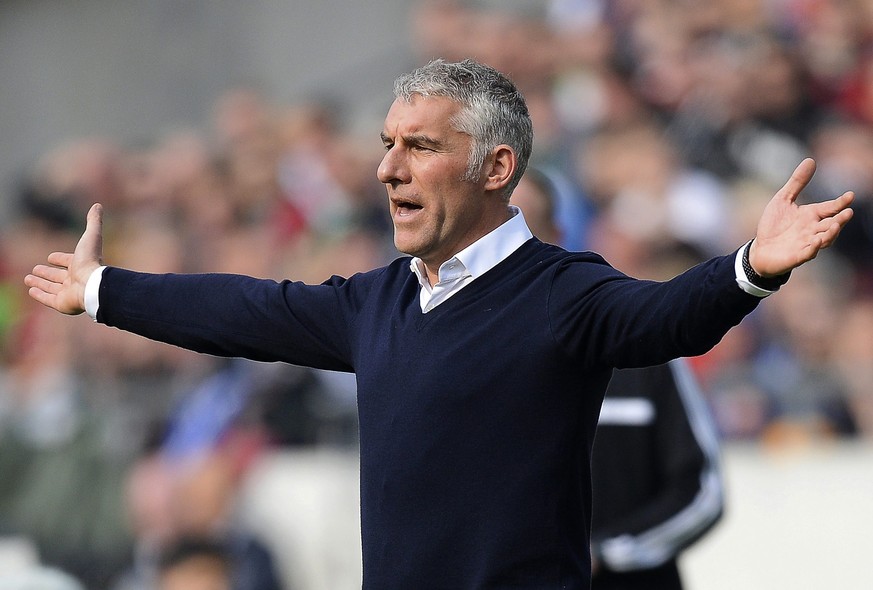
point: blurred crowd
(665, 124)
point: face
(529, 197)
(436, 213)
(196, 572)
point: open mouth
(406, 208)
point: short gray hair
(494, 111)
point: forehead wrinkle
(430, 131)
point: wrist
(771, 283)
(91, 296)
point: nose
(393, 169)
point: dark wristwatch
(766, 283)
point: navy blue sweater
(477, 418)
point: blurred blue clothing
(207, 413)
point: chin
(409, 251)
(405, 246)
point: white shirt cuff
(92, 292)
(743, 280)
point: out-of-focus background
(244, 137)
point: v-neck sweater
(477, 418)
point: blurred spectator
(61, 476)
(774, 377)
(61, 481)
(844, 152)
(657, 481)
(741, 406)
(173, 500)
(853, 360)
(809, 398)
(645, 196)
(193, 564)
(244, 124)
(307, 169)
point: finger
(833, 226)
(839, 219)
(798, 181)
(829, 236)
(60, 259)
(94, 220)
(42, 284)
(843, 217)
(93, 235)
(833, 207)
(50, 273)
(823, 226)
(41, 296)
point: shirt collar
(483, 254)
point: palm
(61, 284)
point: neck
(432, 265)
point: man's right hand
(61, 284)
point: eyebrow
(415, 139)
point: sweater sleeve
(601, 316)
(234, 315)
(689, 496)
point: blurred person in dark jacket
(657, 483)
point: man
(475, 437)
(657, 483)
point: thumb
(799, 179)
(91, 244)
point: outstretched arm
(61, 284)
(789, 234)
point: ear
(500, 168)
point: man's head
(536, 196)
(493, 110)
(457, 140)
(195, 564)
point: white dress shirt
(473, 261)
